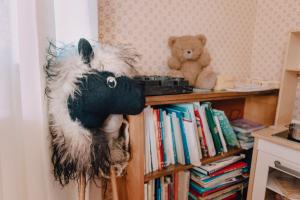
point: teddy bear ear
(172, 40)
(202, 38)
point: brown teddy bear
(190, 59)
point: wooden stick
(82, 185)
(113, 180)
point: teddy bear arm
(174, 63)
(204, 59)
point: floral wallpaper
(246, 38)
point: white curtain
(25, 168)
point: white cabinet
(273, 161)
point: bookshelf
(256, 106)
(176, 168)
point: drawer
(279, 151)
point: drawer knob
(286, 169)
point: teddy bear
(190, 59)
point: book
(203, 144)
(229, 168)
(213, 128)
(180, 116)
(178, 139)
(157, 189)
(216, 180)
(189, 115)
(219, 164)
(207, 133)
(173, 138)
(159, 144)
(218, 194)
(163, 137)
(206, 191)
(227, 130)
(220, 133)
(193, 150)
(183, 185)
(246, 126)
(188, 125)
(168, 139)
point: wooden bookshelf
(204, 96)
(257, 106)
(176, 168)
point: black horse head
(90, 95)
(101, 94)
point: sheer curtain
(24, 165)
(25, 28)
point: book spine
(207, 133)
(213, 129)
(184, 142)
(202, 136)
(160, 144)
(162, 130)
(217, 122)
(173, 140)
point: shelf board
(176, 168)
(204, 96)
(167, 171)
(223, 155)
(293, 69)
(271, 185)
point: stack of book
(223, 179)
(168, 187)
(244, 129)
(185, 133)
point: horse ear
(85, 50)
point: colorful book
(180, 117)
(246, 126)
(157, 189)
(207, 133)
(229, 168)
(206, 191)
(228, 132)
(223, 142)
(168, 141)
(189, 115)
(203, 144)
(216, 180)
(219, 164)
(213, 128)
(224, 193)
(174, 138)
(159, 138)
(163, 137)
(195, 156)
(183, 185)
(178, 139)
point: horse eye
(111, 82)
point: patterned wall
(148, 24)
(274, 20)
(244, 37)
